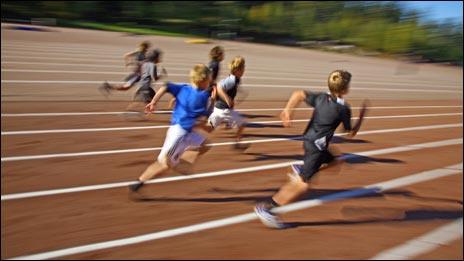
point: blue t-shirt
(191, 103)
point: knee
(164, 161)
(302, 185)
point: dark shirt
(329, 112)
(214, 67)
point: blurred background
(419, 31)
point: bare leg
(290, 192)
(238, 137)
(191, 156)
(120, 87)
(239, 132)
(124, 87)
(155, 169)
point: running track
(68, 154)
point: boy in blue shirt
(181, 137)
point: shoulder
(345, 108)
(213, 64)
(177, 86)
(229, 81)
(315, 95)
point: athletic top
(328, 113)
(149, 72)
(139, 58)
(191, 103)
(230, 86)
(214, 67)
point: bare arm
(358, 123)
(151, 106)
(295, 100)
(127, 56)
(224, 96)
(157, 76)
(212, 99)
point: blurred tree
(373, 25)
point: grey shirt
(149, 74)
(230, 86)
(328, 113)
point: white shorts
(229, 116)
(177, 141)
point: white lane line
(118, 59)
(81, 72)
(33, 132)
(355, 88)
(171, 56)
(261, 85)
(248, 77)
(107, 152)
(423, 244)
(88, 53)
(86, 65)
(367, 190)
(48, 114)
(249, 72)
(226, 172)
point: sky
(438, 10)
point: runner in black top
(329, 111)
(216, 55)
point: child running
(216, 55)
(181, 137)
(224, 105)
(145, 92)
(135, 58)
(329, 111)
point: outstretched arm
(151, 106)
(127, 56)
(357, 126)
(221, 93)
(295, 100)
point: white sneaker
(267, 218)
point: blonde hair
(237, 63)
(339, 81)
(216, 52)
(199, 73)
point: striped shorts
(177, 141)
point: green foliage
(372, 25)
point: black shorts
(144, 94)
(313, 159)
